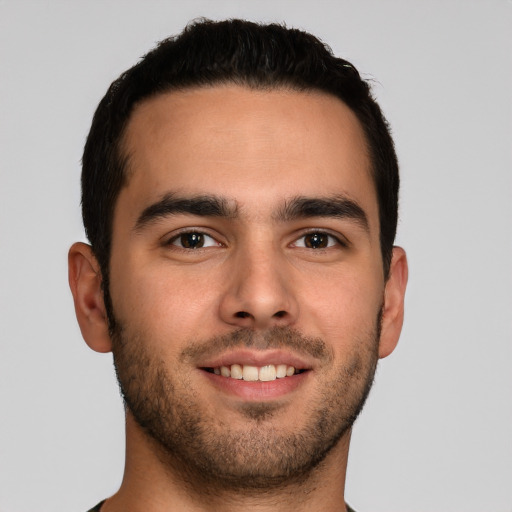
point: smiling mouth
(251, 373)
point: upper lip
(258, 358)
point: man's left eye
(193, 240)
(316, 240)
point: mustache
(274, 338)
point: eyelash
(190, 233)
(337, 240)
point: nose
(259, 292)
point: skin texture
(260, 289)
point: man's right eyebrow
(171, 204)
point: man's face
(246, 243)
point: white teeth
(250, 373)
(236, 371)
(225, 371)
(281, 371)
(267, 373)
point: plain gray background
(436, 433)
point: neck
(153, 482)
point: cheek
(161, 299)
(344, 308)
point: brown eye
(193, 240)
(317, 240)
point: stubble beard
(205, 451)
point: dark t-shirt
(98, 507)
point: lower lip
(257, 390)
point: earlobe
(85, 282)
(393, 308)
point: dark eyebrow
(170, 204)
(340, 207)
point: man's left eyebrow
(340, 207)
(171, 204)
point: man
(240, 195)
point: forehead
(253, 146)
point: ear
(85, 282)
(393, 309)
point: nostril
(280, 314)
(242, 314)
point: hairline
(123, 157)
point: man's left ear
(393, 309)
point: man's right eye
(193, 240)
